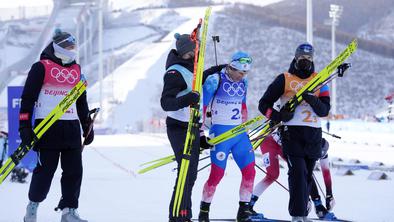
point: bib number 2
(236, 114)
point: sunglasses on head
(244, 60)
(70, 39)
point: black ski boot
(203, 216)
(247, 214)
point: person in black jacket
(301, 134)
(176, 99)
(46, 85)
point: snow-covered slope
(360, 92)
(382, 29)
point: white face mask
(67, 56)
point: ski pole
(331, 134)
(215, 39)
(94, 111)
(258, 167)
(202, 168)
(205, 157)
(318, 184)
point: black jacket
(174, 83)
(276, 89)
(296, 140)
(63, 134)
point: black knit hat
(63, 39)
(184, 44)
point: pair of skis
(41, 128)
(248, 125)
(193, 124)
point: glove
(283, 115)
(189, 99)
(342, 68)
(310, 98)
(27, 136)
(89, 136)
(330, 202)
(204, 143)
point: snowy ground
(112, 191)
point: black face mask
(304, 65)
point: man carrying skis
(225, 92)
(176, 99)
(271, 151)
(301, 134)
(46, 85)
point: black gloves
(192, 98)
(283, 115)
(310, 98)
(342, 68)
(320, 105)
(204, 143)
(27, 135)
(89, 136)
(26, 130)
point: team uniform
(47, 83)
(228, 107)
(301, 134)
(227, 101)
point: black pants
(71, 164)
(176, 135)
(300, 178)
(302, 148)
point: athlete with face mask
(301, 133)
(47, 83)
(225, 93)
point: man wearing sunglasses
(176, 99)
(225, 94)
(46, 85)
(301, 134)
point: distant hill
(371, 22)
(360, 93)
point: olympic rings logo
(64, 75)
(296, 85)
(234, 88)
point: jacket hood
(174, 58)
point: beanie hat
(184, 44)
(63, 39)
(241, 61)
(304, 49)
